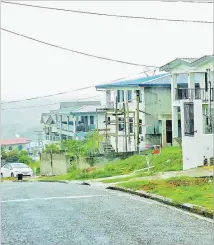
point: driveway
(37, 213)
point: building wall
(154, 101)
(16, 147)
(196, 147)
(157, 102)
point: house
(15, 144)
(138, 112)
(74, 120)
(195, 104)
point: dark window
(121, 124)
(92, 120)
(189, 119)
(10, 148)
(140, 126)
(19, 147)
(108, 120)
(131, 125)
(120, 95)
(129, 95)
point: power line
(66, 92)
(33, 106)
(51, 95)
(45, 96)
(110, 15)
(75, 51)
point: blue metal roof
(161, 80)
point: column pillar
(163, 132)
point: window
(120, 96)
(108, 120)
(140, 126)
(19, 147)
(131, 125)
(10, 148)
(207, 120)
(121, 124)
(92, 120)
(129, 95)
(189, 119)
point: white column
(191, 80)
(173, 86)
(108, 97)
(163, 132)
(174, 122)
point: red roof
(15, 141)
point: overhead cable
(75, 51)
(109, 15)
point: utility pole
(128, 122)
(39, 141)
(117, 126)
(137, 119)
(124, 111)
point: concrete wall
(197, 146)
(60, 164)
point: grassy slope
(181, 189)
(170, 159)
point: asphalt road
(73, 214)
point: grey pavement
(37, 213)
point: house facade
(195, 104)
(138, 112)
(15, 144)
(74, 120)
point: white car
(13, 169)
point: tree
(52, 148)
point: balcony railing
(84, 128)
(194, 94)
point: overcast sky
(32, 69)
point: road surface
(37, 213)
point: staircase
(106, 147)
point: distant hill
(25, 121)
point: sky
(31, 69)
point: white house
(153, 110)
(74, 120)
(195, 104)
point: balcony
(194, 94)
(84, 128)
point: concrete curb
(50, 181)
(186, 206)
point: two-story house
(138, 112)
(74, 120)
(195, 104)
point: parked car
(13, 169)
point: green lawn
(170, 159)
(198, 191)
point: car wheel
(12, 175)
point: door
(169, 131)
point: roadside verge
(186, 206)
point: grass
(198, 191)
(35, 165)
(170, 159)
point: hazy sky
(31, 69)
